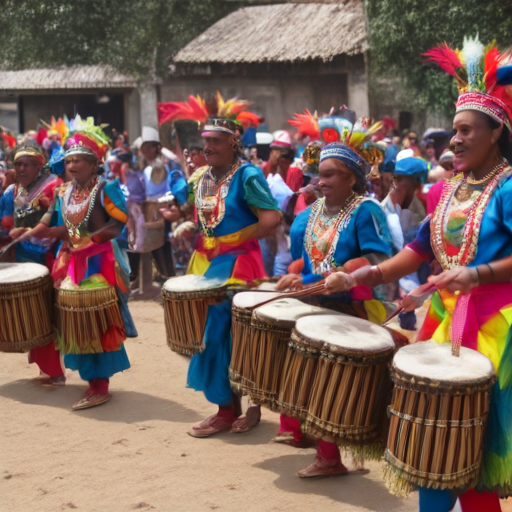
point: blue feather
(504, 75)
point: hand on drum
(461, 279)
(289, 281)
(339, 282)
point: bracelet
(477, 275)
(492, 271)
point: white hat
(137, 143)
(405, 153)
(150, 134)
(282, 139)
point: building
(282, 57)
(111, 97)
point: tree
(136, 36)
(402, 30)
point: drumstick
(417, 293)
(306, 291)
(5, 248)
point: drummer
(88, 215)
(470, 236)
(21, 207)
(338, 229)
(234, 209)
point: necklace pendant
(464, 192)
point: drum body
(438, 415)
(351, 388)
(89, 320)
(242, 334)
(186, 300)
(26, 307)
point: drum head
(285, 312)
(246, 300)
(436, 362)
(345, 332)
(190, 283)
(21, 272)
(266, 287)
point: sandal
(91, 400)
(209, 426)
(53, 381)
(246, 422)
(320, 469)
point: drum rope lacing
(472, 422)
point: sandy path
(133, 453)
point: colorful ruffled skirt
(483, 320)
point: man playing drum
(234, 209)
(21, 207)
(337, 229)
(470, 236)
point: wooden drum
(438, 415)
(351, 388)
(89, 320)
(271, 328)
(186, 300)
(240, 369)
(26, 307)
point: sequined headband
(222, 125)
(29, 152)
(346, 155)
(487, 104)
(80, 149)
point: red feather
(306, 124)
(492, 59)
(251, 118)
(446, 58)
(194, 110)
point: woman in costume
(21, 207)
(338, 230)
(234, 208)
(88, 215)
(470, 236)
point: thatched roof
(76, 77)
(281, 33)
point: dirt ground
(133, 453)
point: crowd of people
(370, 213)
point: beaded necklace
(210, 194)
(323, 231)
(468, 247)
(78, 203)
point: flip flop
(340, 470)
(209, 426)
(89, 401)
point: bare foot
(245, 423)
(322, 468)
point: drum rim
(36, 281)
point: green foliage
(402, 30)
(136, 36)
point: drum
(186, 300)
(271, 328)
(351, 388)
(26, 307)
(438, 414)
(89, 320)
(241, 313)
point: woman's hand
(289, 281)
(339, 282)
(171, 214)
(17, 232)
(461, 279)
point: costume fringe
(89, 321)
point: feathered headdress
(355, 147)
(483, 76)
(60, 126)
(86, 139)
(197, 109)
